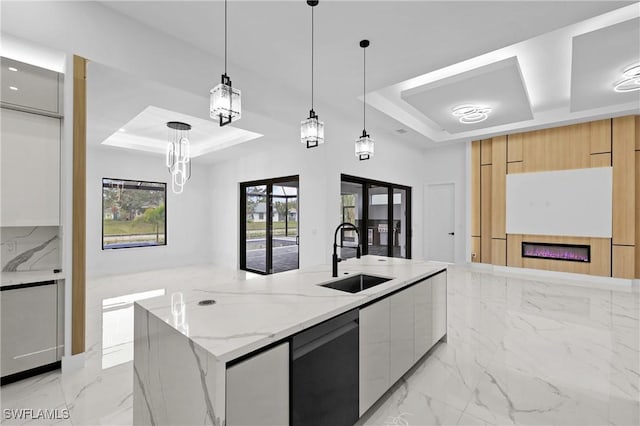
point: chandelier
(179, 155)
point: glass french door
(382, 213)
(269, 213)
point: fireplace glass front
(571, 252)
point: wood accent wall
(79, 205)
(603, 143)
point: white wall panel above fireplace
(565, 202)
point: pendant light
(225, 104)
(179, 155)
(312, 129)
(364, 144)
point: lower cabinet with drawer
(31, 330)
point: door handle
(297, 240)
(452, 233)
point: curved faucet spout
(335, 259)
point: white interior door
(439, 214)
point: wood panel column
(475, 201)
(498, 200)
(624, 200)
(485, 200)
(78, 256)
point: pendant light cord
(364, 90)
(225, 37)
(312, 58)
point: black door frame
(269, 218)
(366, 184)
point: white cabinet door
(439, 315)
(35, 88)
(30, 159)
(29, 328)
(423, 324)
(401, 332)
(374, 353)
(258, 389)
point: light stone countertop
(26, 277)
(253, 311)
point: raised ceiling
(414, 44)
(598, 60)
(497, 86)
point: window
(133, 213)
(382, 213)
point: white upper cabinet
(30, 163)
(30, 87)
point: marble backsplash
(34, 248)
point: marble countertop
(25, 277)
(253, 311)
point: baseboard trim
(11, 378)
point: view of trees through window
(133, 213)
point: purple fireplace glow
(571, 252)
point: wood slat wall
(602, 143)
(624, 175)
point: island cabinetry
(401, 307)
(430, 313)
(398, 330)
(439, 307)
(258, 389)
(374, 353)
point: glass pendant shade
(178, 155)
(312, 131)
(226, 104)
(364, 147)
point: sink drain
(206, 302)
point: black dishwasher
(324, 373)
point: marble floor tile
(407, 406)
(519, 351)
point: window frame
(139, 182)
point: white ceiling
(413, 43)
(498, 86)
(147, 132)
(599, 59)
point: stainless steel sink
(356, 283)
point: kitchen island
(222, 350)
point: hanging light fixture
(225, 104)
(364, 144)
(179, 155)
(312, 129)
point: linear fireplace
(571, 252)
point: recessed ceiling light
(630, 81)
(13, 69)
(469, 114)
(122, 130)
(13, 88)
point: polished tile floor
(519, 351)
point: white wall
(450, 164)
(281, 154)
(188, 215)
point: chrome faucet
(335, 245)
